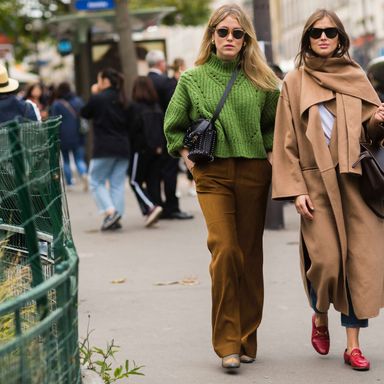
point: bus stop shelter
(84, 29)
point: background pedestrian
(169, 167)
(10, 105)
(72, 142)
(148, 144)
(34, 94)
(111, 147)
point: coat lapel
(349, 129)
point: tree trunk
(126, 45)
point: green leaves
(100, 360)
(187, 12)
(17, 23)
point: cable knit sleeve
(177, 119)
(267, 120)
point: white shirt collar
(156, 70)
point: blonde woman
(327, 106)
(233, 189)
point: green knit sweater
(245, 124)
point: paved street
(166, 327)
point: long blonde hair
(252, 60)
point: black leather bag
(372, 180)
(201, 140)
(200, 137)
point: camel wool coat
(344, 244)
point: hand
(379, 114)
(269, 157)
(304, 206)
(95, 88)
(189, 164)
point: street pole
(262, 23)
(126, 45)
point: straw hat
(6, 83)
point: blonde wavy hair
(251, 57)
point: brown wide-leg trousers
(233, 195)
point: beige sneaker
(153, 216)
(231, 361)
(246, 359)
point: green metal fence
(38, 261)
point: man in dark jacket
(12, 107)
(170, 166)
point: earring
(339, 46)
(213, 42)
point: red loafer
(356, 360)
(320, 338)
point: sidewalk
(166, 327)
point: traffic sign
(94, 5)
(64, 47)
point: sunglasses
(236, 33)
(316, 33)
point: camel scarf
(355, 100)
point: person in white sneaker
(147, 140)
(111, 145)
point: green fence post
(62, 297)
(55, 209)
(25, 377)
(26, 213)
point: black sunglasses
(316, 33)
(236, 33)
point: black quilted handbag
(200, 138)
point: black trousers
(142, 173)
(165, 173)
(169, 172)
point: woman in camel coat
(327, 105)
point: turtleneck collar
(221, 65)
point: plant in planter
(101, 361)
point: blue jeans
(350, 321)
(81, 166)
(113, 170)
